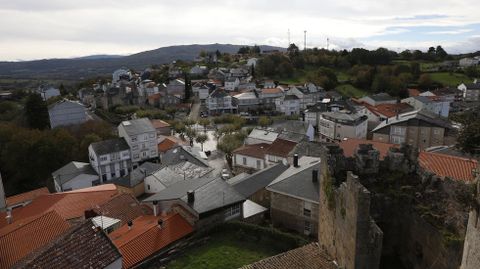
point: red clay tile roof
(159, 124)
(271, 90)
(307, 257)
(22, 237)
(155, 96)
(255, 150)
(166, 144)
(26, 196)
(124, 207)
(413, 92)
(146, 238)
(447, 166)
(79, 247)
(351, 144)
(389, 110)
(281, 148)
(69, 205)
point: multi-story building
(294, 196)
(220, 101)
(141, 137)
(417, 129)
(289, 105)
(110, 158)
(470, 91)
(336, 126)
(433, 104)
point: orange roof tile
(281, 147)
(145, 237)
(255, 150)
(26, 196)
(351, 144)
(271, 90)
(159, 124)
(448, 166)
(166, 145)
(21, 238)
(69, 205)
(124, 207)
(388, 110)
(413, 92)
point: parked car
(225, 174)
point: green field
(224, 251)
(449, 79)
(350, 91)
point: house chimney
(190, 196)
(314, 175)
(130, 224)
(295, 160)
(155, 213)
(9, 217)
(160, 223)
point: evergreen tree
(36, 112)
(188, 88)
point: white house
(75, 175)
(336, 126)
(219, 101)
(433, 104)
(466, 62)
(141, 137)
(470, 91)
(308, 94)
(288, 105)
(250, 157)
(47, 92)
(259, 135)
(66, 112)
(231, 84)
(201, 91)
(198, 70)
(246, 101)
(252, 62)
(110, 158)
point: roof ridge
(153, 225)
(450, 156)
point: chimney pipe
(9, 217)
(314, 175)
(130, 224)
(160, 223)
(295, 160)
(155, 213)
(190, 196)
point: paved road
(194, 112)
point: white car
(225, 174)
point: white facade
(437, 107)
(336, 128)
(67, 112)
(248, 161)
(141, 137)
(231, 84)
(288, 105)
(110, 165)
(79, 182)
(48, 92)
(220, 103)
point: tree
(472, 71)
(62, 89)
(469, 137)
(441, 53)
(188, 88)
(36, 112)
(264, 121)
(201, 138)
(293, 50)
(227, 144)
(255, 49)
(204, 122)
(425, 82)
(191, 134)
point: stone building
(345, 229)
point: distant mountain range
(100, 65)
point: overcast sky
(36, 29)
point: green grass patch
(449, 79)
(349, 90)
(342, 77)
(223, 251)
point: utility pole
(305, 40)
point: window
(307, 212)
(259, 164)
(103, 158)
(152, 135)
(144, 154)
(148, 186)
(308, 227)
(104, 177)
(153, 153)
(436, 131)
(244, 161)
(113, 174)
(136, 156)
(134, 139)
(122, 172)
(126, 154)
(232, 211)
(135, 147)
(145, 137)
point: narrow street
(195, 111)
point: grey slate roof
(137, 126)
(210, 194)
(181, 154)
(420, 115)
(259, 180)
(71, 170)
(297, 181)
(110, 146)
(383, 96)
(138, 175)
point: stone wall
(346, 230)
(471, 247)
